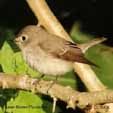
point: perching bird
(48, 53)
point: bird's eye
(24, 38)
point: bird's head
(28, 35)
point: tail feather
(84, 47)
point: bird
(47, 53)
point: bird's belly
(48, 64)
(54, 66)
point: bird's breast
(45, 63)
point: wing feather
(60, 48)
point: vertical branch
(87, 75)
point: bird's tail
(84, 47)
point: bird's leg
(36, 81)
(42, 76)
(53, 82)
(15, 66)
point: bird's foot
(35, 82)
(53, 82)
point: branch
(67, 94)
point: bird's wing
(63, 49)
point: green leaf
(25, 102)
(6, 58)
(1, 110)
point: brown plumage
(48, 53)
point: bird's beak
(16, 40)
